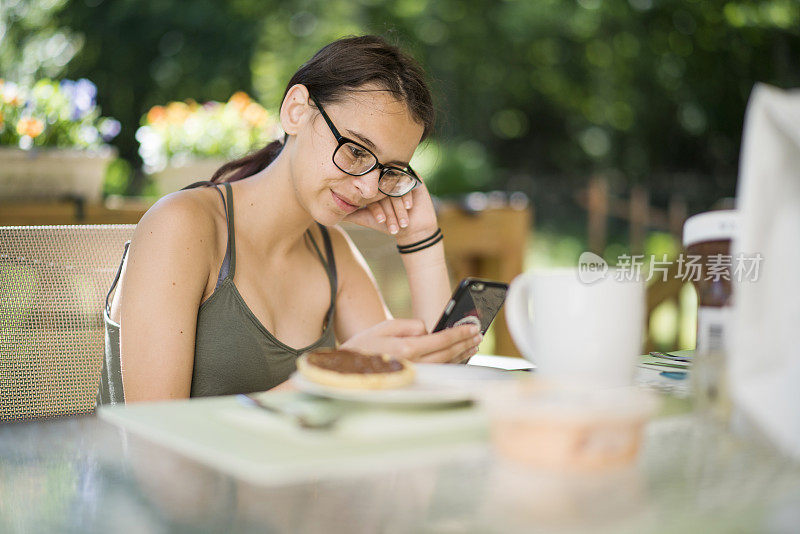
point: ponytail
(249, 164)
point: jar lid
(710, 226)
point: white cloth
(764, 358)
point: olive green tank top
(234, 352)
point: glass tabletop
(84, 474)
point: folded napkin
(764, 356)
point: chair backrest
(53, 284)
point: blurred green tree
(146, 52)
(533, 95)
(32, 44)
(633, 88)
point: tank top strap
(326, 238)
(328, 261)
(229, 261)
(230, 253)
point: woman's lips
(344, 205)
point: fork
(303, 419)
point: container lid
(535, 398)
(710, 226)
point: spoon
(323, 422)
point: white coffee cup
(577, 332)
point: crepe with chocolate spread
(353, 370)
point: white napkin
(764, 359)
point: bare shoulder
(166, 276)
(183, 224)
(180, 211)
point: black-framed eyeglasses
(355, 159)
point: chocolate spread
(344, 361)
(715, 292)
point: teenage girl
(227, 282)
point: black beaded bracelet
(421, 245)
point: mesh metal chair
(53, 284)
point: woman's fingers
(402, 327)
(387, 214)
(391, 218)
(387, 337)
(454, 353)
(445, 344)
(408, 338)
(469, 354)
(399, 211)
(377, 212)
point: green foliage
(562, 87)
(291, 34)
(657, 244)
(540, 89)
(32, 42)
(118, 176)
(142, 53)
(454, 167)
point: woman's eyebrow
(364, 139)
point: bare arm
(359, 304)
(426, 269)
(410, 219)
(428, 279)
(364, 323)
(165, 277)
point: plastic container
(560, 429)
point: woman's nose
(367, 184)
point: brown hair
(343, 65)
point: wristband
(431, 237)
(425, 244)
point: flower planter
(175, 177)
(50, 173)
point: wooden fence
(600, 204)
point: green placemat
(674, 390)
(265, 448)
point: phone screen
(476, 303)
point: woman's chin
(330, 217)
(328, 213)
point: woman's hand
(409, 218)
(426, 267)
(408, 338)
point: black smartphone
(474, 301)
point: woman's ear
(295, 109)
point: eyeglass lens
(354, 160)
